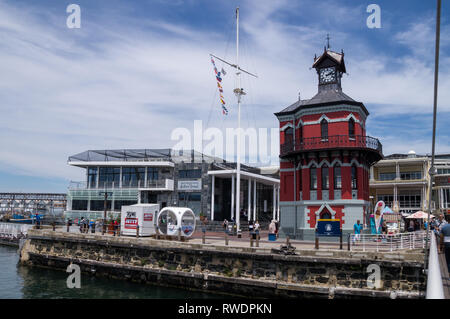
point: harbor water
(23, 282)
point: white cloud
(119, 85)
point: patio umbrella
(419, 215)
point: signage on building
(131, 223)
(329, 227)
(190, 185)
(148, 217)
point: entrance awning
(246, 176)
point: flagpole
(239, 92)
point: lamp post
(432, 171)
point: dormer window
(324, 129)
(351, 128)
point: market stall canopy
(387, 210)
(419, 215)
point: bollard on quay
(137, 231)
(179, 234)
(348, 241)
(226, 238)
(68, 226)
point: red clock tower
(325, 155)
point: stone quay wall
(239, 271)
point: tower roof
(323, 98)
(337, 58)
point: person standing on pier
(445, 243)
(357, 228)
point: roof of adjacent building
(157, 155)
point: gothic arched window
(325, 177)
(354, 177)
(337, 177)
(288, 135)
(324, 129)
(313, 177)
(351, 128)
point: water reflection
(33, 283)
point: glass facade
(443, 171)
(387, 199)
(190, 173)
(387, 176)
(152, 173)
(92, 177)
(109, 177)
(410, 199)
(133, 176)
(78, 204)
(410, 175)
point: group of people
(87, 225)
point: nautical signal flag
(219, 79)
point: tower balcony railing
(332, 142)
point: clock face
(327, 75)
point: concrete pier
(235, 269)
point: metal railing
(435, 288)
(402, 241)
(160, 183)
(334, 141)
(13, 231)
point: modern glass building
(169, 178)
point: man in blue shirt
(445, 243)
(357, 228)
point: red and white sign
(131, 223)
(148, 217)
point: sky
(137, 69)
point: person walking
(38, 221)
(445, 243)
(357, 228)
(81, 224)
(272, 227)
(225, 225)
(256, 228)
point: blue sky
(137, 69)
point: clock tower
(325, 155)
(330, 66)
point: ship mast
(238, 92)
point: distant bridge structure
(21, 202)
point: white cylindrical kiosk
(170, 219)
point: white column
(371, 173)
(120, 182)
(441, 198)
(232, 196)
(98, 177)
(397, 170)
(212, 196)
(249, 212)
(274, 202)
(254, 200)
(145, 177)
(278, 203)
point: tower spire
(328, 41)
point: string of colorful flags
(219, 79)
